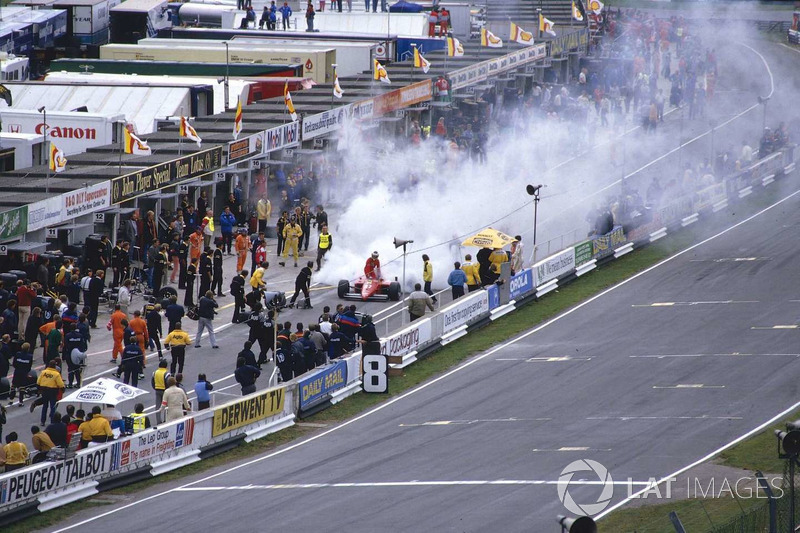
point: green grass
(425, 369)
(759, 452)
(695, 515)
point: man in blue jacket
(227, 221)
(286, 14)
(457, 279)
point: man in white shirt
(124, 296)
(516, 255)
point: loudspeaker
(400, 242)
(581, 524)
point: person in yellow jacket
(257, 280)
(497, 258)
(16, 452)
(291, 236)
(208, 228)
(263, 212)
(325, 243)
(50, 383)
(159, 382)
(176, 342)
(473, 272)
(95, 430)
(427, 276)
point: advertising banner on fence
(150, 444)
(326, 122)
(465, 310)
(407, 340)
(282, 137)
(248, 410)
(521, 284)
(86, 200)
(407, 96)
(157, 177)
(583, 252)
(494, 296)
(706, 198)
(13, 222)
(362, 110)
(554, 266)
(480, 71)
(246, 148)
(604, 245)
(44, 213)
(26, 484)
(317, 388)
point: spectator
(140, 420)
(246, 376)
(175, 401)
(457, 279)
(310, 14)
(202, 390)
(206, 310)
(42, 443)
(286, 15)
(417, 301)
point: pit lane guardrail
(44, 486)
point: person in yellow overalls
(325, 243)
(291, 236)
(242, 246)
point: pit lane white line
(692, 355)
(468, 364)
(469, 422)
(385, 484)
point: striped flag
(546, 25)
(576, 12)
(237, 120)
(58, 162)
(518, 35)
(189, 132)
(287, 98)
(421, 62)
(490, 40)
(379, 72)
(454, 48)
(133, 144)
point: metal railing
(556, 244)
(402, 311)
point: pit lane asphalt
(609, 401)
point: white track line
(460, 368)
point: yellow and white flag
(546, 25)
(237, 120)
(421, 62)
(189, 132)
(595, 6)
(133, 144)
(454, 47)
(337, 89)
(576, 12)
(521, 36)
(287, 99)
(58, 162)
(379, 72)
(490, 40)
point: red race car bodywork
(369, 289)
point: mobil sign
(72, 132)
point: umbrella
(489, 238)
(103, 391)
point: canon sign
(67, 132)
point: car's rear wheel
(344, 288)
(394, 291)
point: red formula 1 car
(365, 288)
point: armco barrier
(48, 485)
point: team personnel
(159, 383)
(132, 361)
(176, 342)
(50, 383)
(325, 243)
(237, 290)
(473, 272)
(242, 245)
(303, 283)
(427, 276)
(291, 237)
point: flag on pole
(454, 48)
(5, 94)
(337, 89)
(546, 25)
(518, 35)
(58, 162)
(421, 62)
(287, 99)
(133, 144)
(379, 72)
(576, 12)
(490, 40)
(595, 6)
(189, 132)
(237, 120)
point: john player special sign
(151, 179)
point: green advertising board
(13, 223)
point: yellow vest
(324, 240)
(158, 379)
(139, 419)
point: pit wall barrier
(45, 486)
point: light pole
(713, 124)
(227, 74)
(397, 244)
(43, 110)
(763, 101)
(534, 190)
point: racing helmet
(375, 255)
